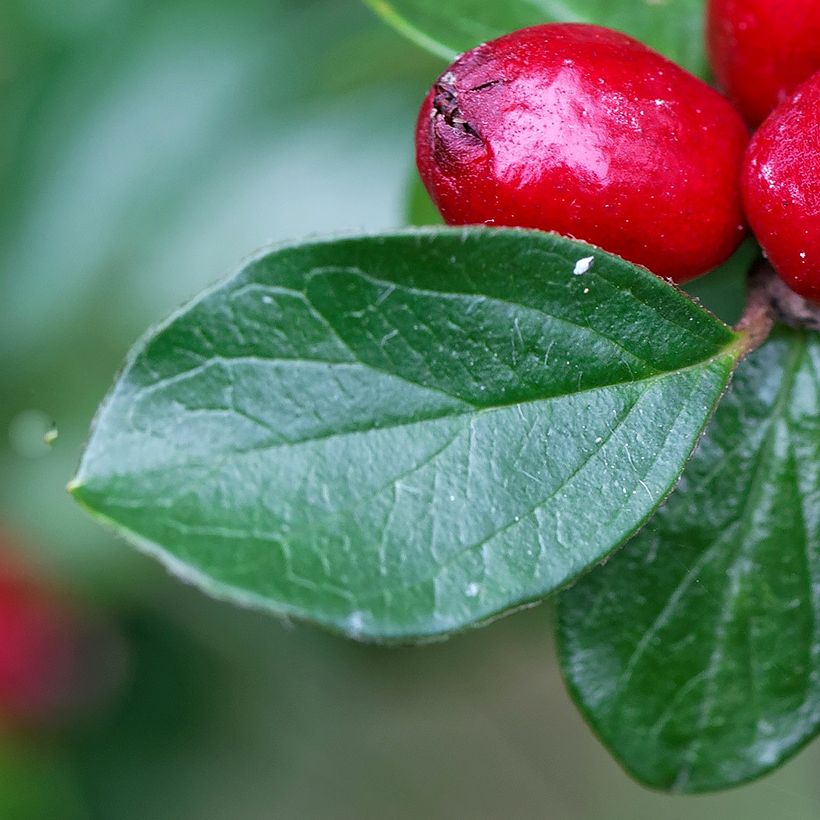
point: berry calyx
(781, 189)
(584, 131)
(761, 50)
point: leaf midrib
(467, 548)
(797, 354)
(471, 410)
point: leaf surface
(399, 436)
(673, 27)
(695, 652)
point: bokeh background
(146, 148)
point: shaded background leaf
(695, 653)
(420, 208)
(673, 27)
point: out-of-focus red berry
(584, 131)
(36, 648)
(781, 189)
(55, 664)
(761, 50)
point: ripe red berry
(584, 131)
(781, 189)
(761, 50)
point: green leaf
(420, 209)
(695, 653)
(673, 27)
(399, 436)
(723, 291)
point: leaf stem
(771, 301)
(758, 317)
(790, 308)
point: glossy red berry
(781, 189)
(761, 50)
(584, 131)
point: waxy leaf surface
(695, 652)
(400, 436)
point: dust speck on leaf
(583, 265)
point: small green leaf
(399, 436)
(695, 653)
(673, 27)
(420, 209)
(723, 291)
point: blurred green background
(146, 148)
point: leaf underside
(673, 27)
(695, 652)
(401, 436)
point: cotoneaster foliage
(405, 435)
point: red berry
(781, 189)
(36, 650)
(584, 131)
(54, 663)
(761, 50)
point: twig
(758, 317)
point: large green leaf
(399, 436)
(695, 653)
(673, 27)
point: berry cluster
(584, 131)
